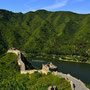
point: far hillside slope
(45, 32)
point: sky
(78, 6)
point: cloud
(59, 4)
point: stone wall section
(20, 62)
(76, 84)
(22, 65)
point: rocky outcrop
(48, 68)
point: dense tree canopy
(45, 32)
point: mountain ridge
(44, 31)
(42, 10)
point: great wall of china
(75, 83)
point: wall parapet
(76, 84)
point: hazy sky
(79, 6)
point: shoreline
(64, 60)
(74, 61)
(60, 58)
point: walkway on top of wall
(75, 83)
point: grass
(88, 86)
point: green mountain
(45, 32)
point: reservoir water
(78, 70)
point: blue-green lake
(78, 70)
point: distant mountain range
(45, 32)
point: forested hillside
(45, 32)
